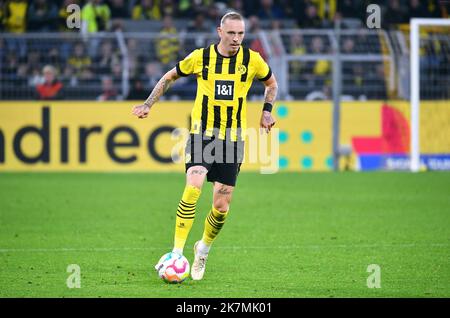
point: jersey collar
(226, 57)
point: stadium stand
(134, 42)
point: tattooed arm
(161, 87)
(270, 93)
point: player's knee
(196, 176)
(195, 182)
(222, 205)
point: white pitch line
(66, 249)
(291, 247)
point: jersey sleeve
(186, 67)
(263, 71)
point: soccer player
(224, 72)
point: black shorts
(221, 158)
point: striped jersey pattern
(222, 87)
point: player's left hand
(267, 121)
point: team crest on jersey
(241, 69)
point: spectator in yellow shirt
(146, 10)
(95, 17)
(15, 16)
(168, 45)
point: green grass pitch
(288, 235)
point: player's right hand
(141, 111)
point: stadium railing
(301, 59)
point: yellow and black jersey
(223, 83)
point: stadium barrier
(92, 136)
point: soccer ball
(173, 268)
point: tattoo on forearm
(166, 85)
(160, 88)
(270, 93)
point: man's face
(231, 34)
(49, 76)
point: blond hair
(231, 16)
(49, 68)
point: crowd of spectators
(50, 15)
(95, 67)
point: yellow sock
(185, 216)
(213, 224)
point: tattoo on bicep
(270, 94)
